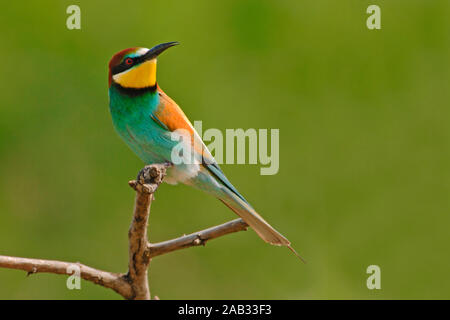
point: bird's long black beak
(157, 50)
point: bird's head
(136, 67)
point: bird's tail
(264, 230)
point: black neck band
(133, 92)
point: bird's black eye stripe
(124, 65)
(119, 68)
(138, 59)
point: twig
(133, 284)
(196, 238)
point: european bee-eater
(144, 116)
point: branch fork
(132, 285)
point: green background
(364, 145)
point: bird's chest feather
(132, 121)
(153, 144)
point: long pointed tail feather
(264, 230)
(236, 202)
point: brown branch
(115, 281)
(196, 238)
(134, 284)
(146, 184)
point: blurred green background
(364, 145)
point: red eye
(128, 61)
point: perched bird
(144, 116)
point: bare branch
(196, 238)
(115, 281)
(134, 284)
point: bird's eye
(128, 61)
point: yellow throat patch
(141, 76)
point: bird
(145, 118)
